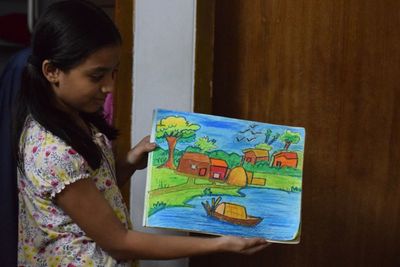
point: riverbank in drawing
(172, 189)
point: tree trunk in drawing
(174, 128)
(171, 147)
(287, 145)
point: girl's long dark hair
(66, 34)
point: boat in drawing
(230, 212)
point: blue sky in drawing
(232, 135)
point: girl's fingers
(138, 153)
(254, 245)
(255, 249)
(146, 139)
(256, 241)
(148, 147)
(145, 146)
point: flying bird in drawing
(251, 139)
(252, 132)
(239, 139)
(244, 131)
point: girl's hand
(137, 156)
(245, 246)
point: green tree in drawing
(174, 129)
(267, 135)
(206, 144)
(289, 138)
(268, 139)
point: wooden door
(333, 67)
(123, 17)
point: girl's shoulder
(49, 163)
(35, 133)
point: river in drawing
(279, 210)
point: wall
(163, 71)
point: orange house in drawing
(195, 164)
(253, 155)
(201, 165)
(285, 159)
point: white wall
(163, 77)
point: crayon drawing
(225, 176)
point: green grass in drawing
(181, 187)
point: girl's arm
(87, 207)
(135, 159)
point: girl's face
(85, 87)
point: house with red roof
(218, 169)
(195, 164)
(285, 159)
(254, 155)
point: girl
(71, 212)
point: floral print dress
(48, 236)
